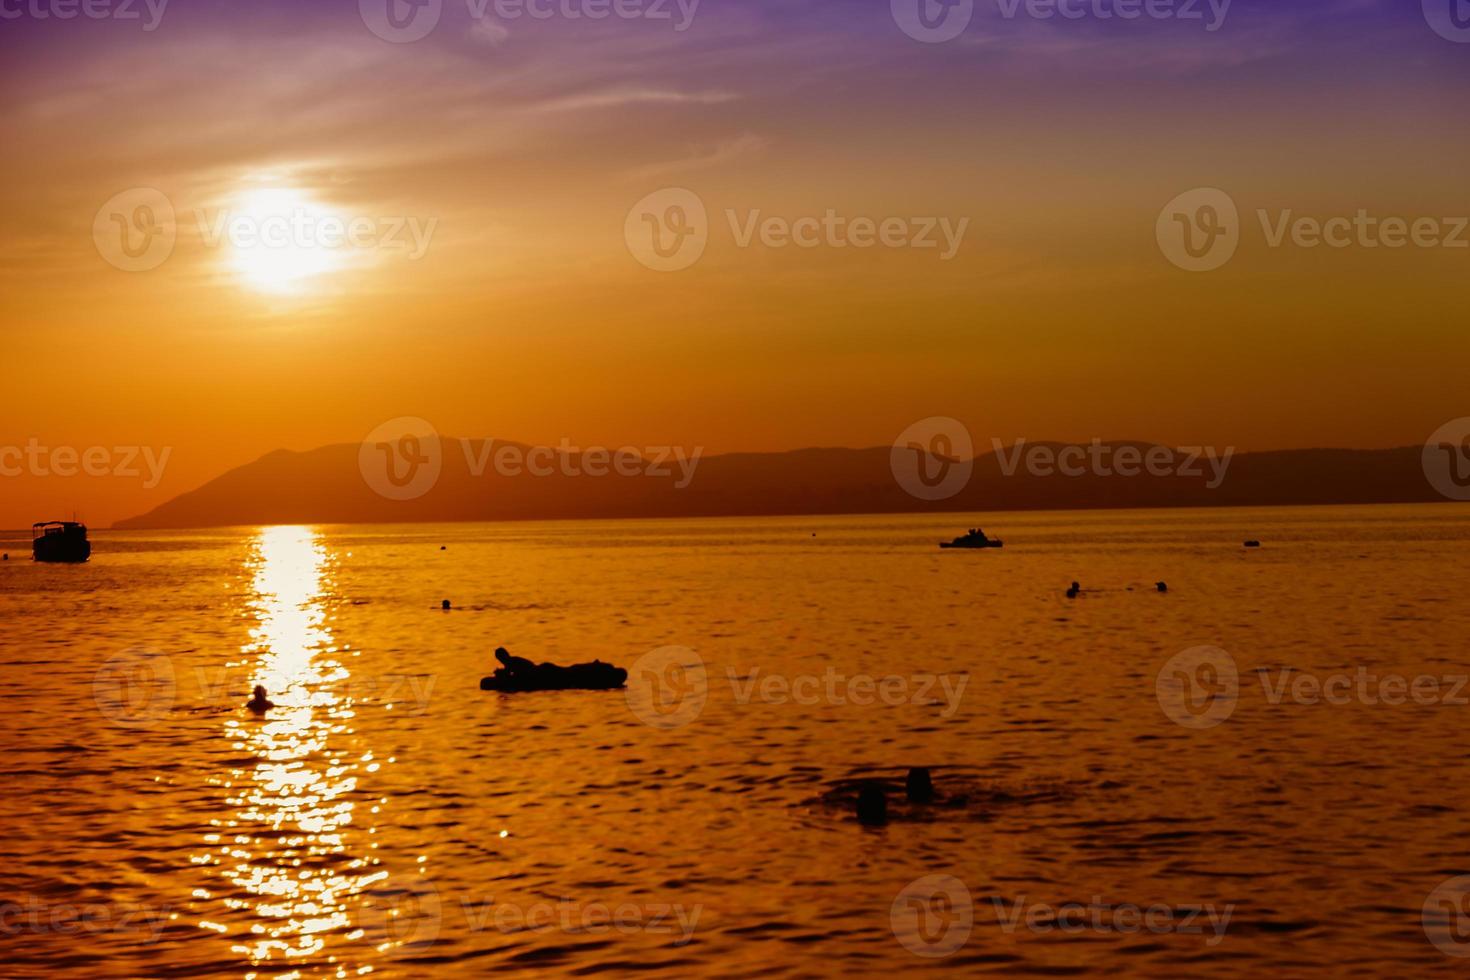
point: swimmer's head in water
(918, 786)
(872, 805)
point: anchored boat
(975, 539)
(60, 541)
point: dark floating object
(918, 786)
(1253, 544)
(974, 539)
(872, 805)
(1074, 591)
(520, 674)
(61, 541)
(444, 547)
(259, 703)
(1162, 586)
(5, 557)
(444, 604)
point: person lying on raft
(520, 674)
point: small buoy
(444, 547)
(1162, 586)
(444, 604)
(872, 805)
(918, 786)
(1253, 544)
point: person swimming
(1074, 591)
(872, 805)
(1162, 586)
(918, 785)
(260, 704)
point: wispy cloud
(489, 32)
(634, 96)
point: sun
(281, 240)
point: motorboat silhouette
(974, 539)
(519, 674)
(60, 541)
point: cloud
(490, 32)
(635, 96)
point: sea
(1259, 771)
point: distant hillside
(326, 485)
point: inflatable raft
(519, 675)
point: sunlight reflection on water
(288, 846)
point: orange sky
(526, 317)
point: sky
(505, 173)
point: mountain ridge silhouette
(326, 485)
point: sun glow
(281, 239)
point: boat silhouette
(60, 541)
(974, 539)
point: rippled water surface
(388, 817)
